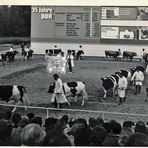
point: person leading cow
(58, 97)
(121, 88)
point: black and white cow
(129, 55)
(72, 89)
(125, 73)
(16, 93)
(114, 54)
(11, 55)
(27, 55)
(79, 54)
(109, 83)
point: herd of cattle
(117, 54)
(111, 82)
(10, 56)
(73, 89)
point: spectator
(107, 127)
(140, 127)
(127, 128)
(32, 135)
(112, 138)
(50, 124)
(5, 132)
(37, 120)
(93, 122)
(7, 115)
(81, 133)
(81, 120)
(126, 132)
(137, 139)
(56, 136)
(30, 116)
(100, 121)
(16, 132)
(16, 118)
(98, 135)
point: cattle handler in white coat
(138, 77)
(58, 97)
(121, 88)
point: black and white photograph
(74, 74)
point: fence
(74, 112)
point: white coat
(58, 92)
(122, 85)
(138, 77)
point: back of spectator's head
(50, 123)
(65, 118)
(81, 120)
(16, 118)
(137, 139)
(93, 122)
(100, 121)
(107, 127)
(98, 135)
(30, 116)
(128, 124)
(140, 127)
(7, 115)
(32, 135)
(37, 120)
(56, 138)
(5, 129)
(81, 133)
(24, 121)
(115, 127)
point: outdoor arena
(34, 76)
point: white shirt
(138, 76)
(11, 49)
(58, 86)
(122, 84)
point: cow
(79, 54)
(113, 54)
(72, 89)
(3, 58)
(11, 55)
(109, 83)
(129, 55)
(27, 55)
(17, 93)
(125, 73)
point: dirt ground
(35, 77)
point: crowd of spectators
(32, 130)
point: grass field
(34, 76)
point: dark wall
(15, 21)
